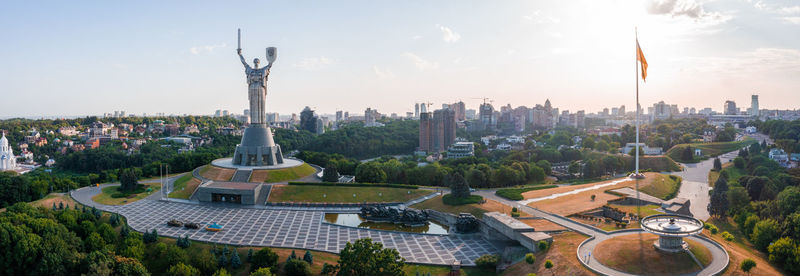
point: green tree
(221, 272)
(717, 164)
(261, 272)
(181, 269)
(128, 180)
(236, 262)
(94, 242)
(546, 166)
(296, 267)
(204, 261)
(364, 257)
(789, 200)
(264, 258)
(458, 186)
(132, 246)
(330, 174)
(784, 252)
(738, 162)
(370, 172)
(308, 257)
(764, 233)
(747, 265)
(718, 205)
(687, 154)
(477, 178)
(129, 267)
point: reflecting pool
(355, 220)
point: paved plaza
(295, 229)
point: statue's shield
(272, 54)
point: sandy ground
(217, 173)
(56, 198)
(572, 204)
(543, 225)
(561, 253)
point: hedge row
(516, 193)
(384, 185)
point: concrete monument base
(257, 148)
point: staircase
(241, 175)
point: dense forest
(356, 141)
(764, 200)
(785, 133)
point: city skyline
(177, 58)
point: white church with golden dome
(8, 162)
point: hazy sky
(90, 57)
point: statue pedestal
(257, 148)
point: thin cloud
(313, 63)
(448, 35)
(421, 63)
(792, 19)
(677, 8)
(757, 61)
(537, 17)
(382, 73)
(196, 50)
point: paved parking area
(295, 229)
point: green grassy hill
(710, 150)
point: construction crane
(484, 99)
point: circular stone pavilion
(671, 229)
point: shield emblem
(272, 54)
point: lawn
(652, 163)
(47, 201)
(475, 209)
(663, 186)
(104, 197)
(217, 173)
(646, 210)
(438, 270)
(709, 149)
(282, 175)
(516, 193)
(184, 186)
(298, 193)
(635, 254)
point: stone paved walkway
(304, 229)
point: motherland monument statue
(257, 147)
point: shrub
(487, 261)
(450, 200)
(296, 267)
(514, 209)
(514, 214)
(516, 193)
(727, 236)
(329, 184)
(308, 257)
(327, 269)
(261, 272)
(530, 258)
(543, 245)
(264, 258)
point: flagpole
(636, 64)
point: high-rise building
(730, 108)
(622, 110)
(339, 115)
(370, 116)
(754, 105)
(486, 111)
(416, 110)
(437, 130)
(460, 110)
(308, 121)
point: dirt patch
(259, 176)
(561, 253)
(217, 173)
(57, 198)
(543, 225)
(635, 254)
(580, 202)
